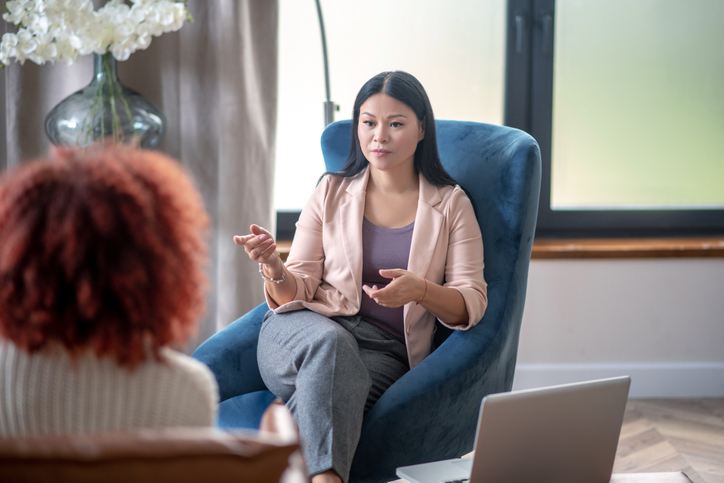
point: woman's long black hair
(407, 89)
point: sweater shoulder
(194, 371)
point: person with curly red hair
(102, 257)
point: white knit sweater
(48, 393)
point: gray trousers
(329, 372)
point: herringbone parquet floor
(673, 435)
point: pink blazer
(326, 255)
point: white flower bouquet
(61, 30)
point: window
(623, 97)
(455, 48)
(625, 101)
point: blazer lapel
(428, 223)
(350, 216)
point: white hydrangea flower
(47, 52)
(50, 30)
(16, 11)
(8, 48)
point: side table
(673, 477)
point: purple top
(383, 248)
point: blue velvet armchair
(430, 413)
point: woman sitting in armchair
(383, 248)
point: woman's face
(388, 132)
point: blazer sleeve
(306, 257)
(464, 265)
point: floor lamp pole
(329, 106)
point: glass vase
(107, 111)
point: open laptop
(566, 433)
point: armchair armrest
(231, 355)
(181, 455)
(431, 412)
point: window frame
(529, 107)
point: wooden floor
(673, 435)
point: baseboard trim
(650, 380)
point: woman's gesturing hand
(404, 288)
(259, 245)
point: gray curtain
(216, 82)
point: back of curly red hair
(101, 249)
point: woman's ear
(422, 131)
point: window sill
(283, 247)
(548, 249)
(700, 247)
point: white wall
(659, 320)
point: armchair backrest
(499, 168)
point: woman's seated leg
(313, 364)
(384, 356)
